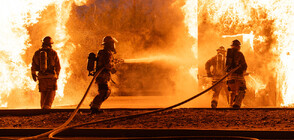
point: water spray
(152, 59)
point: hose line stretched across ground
(64, 127)
(72, 115)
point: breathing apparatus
(43, 61)
(91, 63)
(47, 41)
(231, 53)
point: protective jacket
(238, 60)
(53, 64)
(52, 71)
(104, 59)
(218, 64)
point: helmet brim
(221, 50)
(113, 40)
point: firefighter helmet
(236, 43)
(48, 40)
(109, 39)
(221, 49)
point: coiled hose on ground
(64, 126)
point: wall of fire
(151, 28)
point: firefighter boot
(98, 100)
(232, 98)
(215, 96)
(95, 108)
(238, 99)
(213, 104)
(96, 111)
(47, 99)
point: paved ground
(216, 119)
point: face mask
(113, 48)
(110, 47)
(236, 48)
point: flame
(190, 9)
(63, 48)
(63, 10)
(284, 48)
(15, 17)
(260, 21)
(246, 38)
(256, 83)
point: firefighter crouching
(104, 60)
(46, 63)
(218, 64)
(236, 82)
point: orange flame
(190, 9)
(239, 15)
(15, 17)
(246, 37)
(256, 83)
(63, 10)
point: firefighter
(104, 60)
(235, 81)
(46, 63)
(218, 64)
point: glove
(34, 77)
(209, 74)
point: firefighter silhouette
(104, 60)
(218, 71)
(236, 82)
(45, 69)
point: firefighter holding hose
(105, 61)
(218, 64)
(45, 69)
(236, 82)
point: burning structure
(141, 79)
(188, 30)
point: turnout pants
(216, 91)
(47, 87)
(237, 92)
(47, 99)
(103, 91)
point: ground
(225, 119)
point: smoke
(147, 30)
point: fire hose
(72, 115)
(64, 126)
